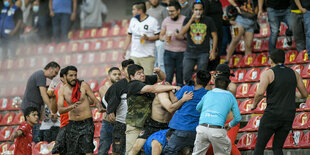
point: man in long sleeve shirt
(214, 108)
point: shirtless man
(80, 130)
(163, 106)
(114, 75)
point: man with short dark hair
(199, 29)
(143, 31)
(281, 83)
(140, 96)
(214, 108)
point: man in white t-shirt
(143, 31)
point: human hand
(156, 70)
(52, 14)
(212, 55)
(144, 37)
(303, 10)
(260, 13)
(124, 54)
(101, 109)
(73, 16)
(177, 88)
(238, 9)
(111, 117)
(253, 107)
(76, 104)
(187, 96)
(53, 117)
(227, 126)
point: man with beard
(80, 130)
(174, 50)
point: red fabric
(232, 134)
(64, 118)
(23, 143)
(76, 93)
(224, 3)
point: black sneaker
(288, 38)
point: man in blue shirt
(214, 108)
(185, 120)
(156, 143)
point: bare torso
(159, 113)
(82, 111)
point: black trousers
(266, 129)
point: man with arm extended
(80, 130)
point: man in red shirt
(24, 133)
(60, 143)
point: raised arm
(173, 106)
(157, 88)
(260, 8)
(300, 86)
(91, 95)
(161, 76)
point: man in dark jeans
(199, 29)
(174, 50)
(280, 82)
(277, 11)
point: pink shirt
(171, 26)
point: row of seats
(262, 59)
(295, 139)
(115, 31)
(12, 118)
(93, 58)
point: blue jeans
(179, 140)
(274, 18)
(174, 64)
(105, 137)
(61, 25)
(159, 59)
(192, 59)
(297, 25)
(226, 39)
(307, 30)
(44, 28)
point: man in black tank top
(280, 82)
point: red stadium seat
(253, 89)
(50, 49)
(89, 58)
(20, 63)
(283, 29)
(239, 76)
(93, 33)
(85, 46)
(66, 60)
(240, 46)
(292, 140)
(257, 45)
(5, 133)
(305, 141)
(242, 90)
(62, 47)
(297, 68)
(302, 57)
(252, 75)
(235, 60)
(115, 56)
(93, 84)
(290, 57)
(19, 119)
(247, 141)
(304, 106)
(269, 144)
(94, 72)
(247, 60)
(4, 103)
(97, 45)
(15, 104)
(264, 31)
(81, 34)
(102, 33)
(96, 143)
(114, 31)
(74, 47)
(252, 125)
(124, 31)
(97, 130)
(8, 119)
(246, 106)
(261, 106)
(4, 148)
(41, 148)
(119, 44)
(306, 72)
(109, 44)
(282, 44)
(222, 59)
(83, 72)
(77, 59)
(97, 116)
(8, 64)
(301, 121)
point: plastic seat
(4, 103)
(246, 106)
(301, 121)
(97, 45)
(252, 75)
(247, 60)
(222, 59)
(252, 125)
(247, 141)
(302, 57)
(96, 143)
(242, 90)
(290, 57)
(19, 118)
(119, 44)
(97, 116)
(41, 148)
(4, 147)
(235, 60)
(62, 47)
(305, 106)
(292, 140)
(102, 33)
(283, 28)
(83, 72)
(8, 64)
(282, 44)
(257, 45)
(74, 47)
(264, 31)
(93, 33)
(78, 59)
(239, 76)
(8, 118)
(305, 141)
(67, 60)
(297, 68)
(97, 130)
(306, 72)
(93, 84)
(85, 46)
(109, 44)
(253, 89)
(114, 31)
(115, 56)
(124, 31)
(15, 104)
(240, 46)
(261, 106)
(5, 133)
(50, 49)
(270, 142)
(81, 34)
